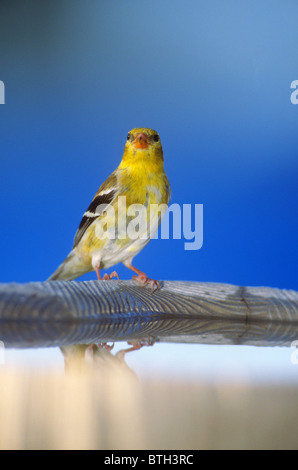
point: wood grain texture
(63, 312)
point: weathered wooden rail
(61, 313)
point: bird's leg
(142, 277)
(97, 273)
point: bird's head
(143, 144)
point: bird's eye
(128, 136)
(156, 137)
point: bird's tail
(70, 269)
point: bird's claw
(135, 346)
(106, 346)
(144, 280)
(108, 277)
(142, 342)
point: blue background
(213, 78)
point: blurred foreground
(99, 403)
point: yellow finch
(124, 214)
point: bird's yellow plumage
(124, 213)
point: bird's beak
(141, 141)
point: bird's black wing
(104, 197)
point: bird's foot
(106, 346)
(142, 342)
(145, 280)
(108, 277)
(135, 346)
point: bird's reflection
(80, 357)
